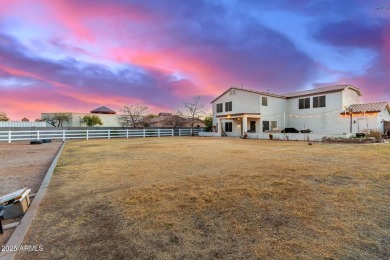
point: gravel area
(23, 166)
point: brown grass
(201, 198)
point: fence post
(127, 133)
(172, 132)
(144, 132)
(109, 137)
(158, 132)
(87, 135)
(179, 132)
(9, 136)
(38, 135)
(63, 135)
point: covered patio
(238, 124)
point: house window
(219, 108)
(264, 101)
(319, 101)
(228, 127)
(265, 126)
(268, 124)
(304, 103)
(228, 106)
(232, 92)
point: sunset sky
(77, 55)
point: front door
(252, 127)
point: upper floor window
(304, 103)
(264, 101)
(228, 106)
(319, 101)
(219, 108)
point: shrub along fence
(10, 135)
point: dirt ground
(211, 198)
(23, 166)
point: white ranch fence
(10, 136)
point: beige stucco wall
(108, 120)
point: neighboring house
(324, 110)
(169, 120)
(106, 115)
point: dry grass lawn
(202, 198)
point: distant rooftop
(103, 110)
(164, 114)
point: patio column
(245, 124)
(219, 127)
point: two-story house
(327, 110)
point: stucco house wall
(365, 123)
(349, 97)
(275, 111)
(318, 119)
(251, 103)
(284, 110)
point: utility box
(15, 203)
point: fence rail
(10, 136)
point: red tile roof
(321, 90)
(315, 91)
(370, 107)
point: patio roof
(369, 107)
(253, 115)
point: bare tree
(49, 118)
(174, 121)
(25, 119)
(147, 118)
(193, 110)
(3, 116)
(56, 119)
(132, 115)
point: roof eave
(251, 91)
(355, 89)
(221, 95)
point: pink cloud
(31, 102)
(85, 20)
